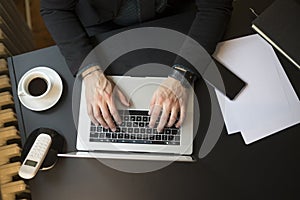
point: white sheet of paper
(268, 104)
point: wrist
(86, 69)
(93, 75)
(90, 70)
(185, 76)
(173, 81)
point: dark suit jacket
(72, 23)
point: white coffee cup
(35, 85)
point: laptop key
(105, 130)
(135, 124)
(102, 135)
(94, 135)
(129, 124)
(138, 118)
(126, 136)
(158, 142)
(114, 135)
(164, 137)
(94, 140)
(123, 123)
(108, 135)
(132, 136)
(145, 137)
(145, 119)
(174, 131)
(142, 130)
(126, 118)
(139, 136)
(148, 130)
(132, 118)
(158, 137)
(130, 130)
(174, 143)
(120, 135)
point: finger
(154, 115)
(164, 118)
(173, 116)
(107, 116)
(122, 97)
(91, 115)
(150, 109)
(152, 102)
(113, 111)
(98, 116)
(182, 115)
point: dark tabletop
(267, 169)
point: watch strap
(182, 74)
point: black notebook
(279, 24)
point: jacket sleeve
(210, 22)
(66, 30)
(208, 27)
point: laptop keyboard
(134, 129)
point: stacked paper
(268, 103)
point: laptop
(134, 139)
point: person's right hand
(100, 95)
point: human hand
(100, 97)
(171, 98)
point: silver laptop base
(129, 156)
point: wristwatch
(183, 74)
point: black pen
(253, 11)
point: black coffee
(37, 86)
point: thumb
(122, 98)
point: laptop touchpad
(139, 90)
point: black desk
(267, 169)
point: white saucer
(50, 99)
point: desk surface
(267, 169)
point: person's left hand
(171, 99)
